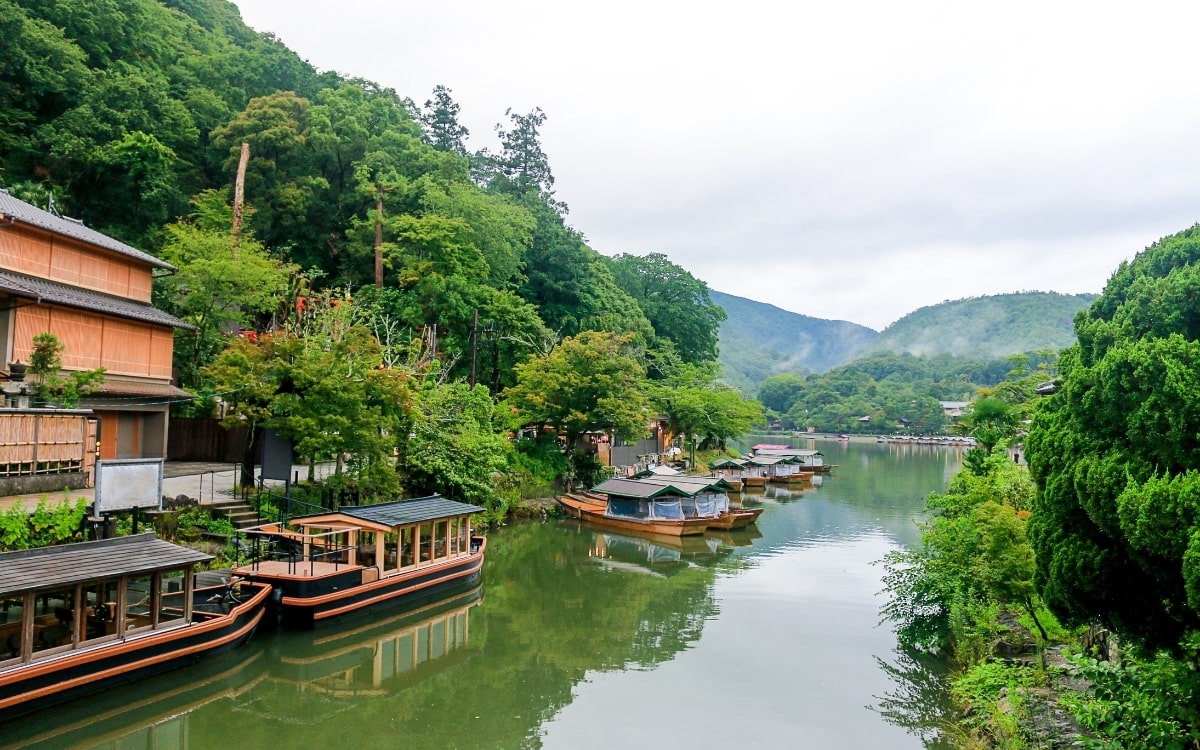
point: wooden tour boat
(633, 505)
(79, 618)
(707, 497)
(334, 564)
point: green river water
(579, 638)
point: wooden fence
(204, 440)
(46, 441)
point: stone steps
(240, 514)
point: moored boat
(707, 497)
(335, 564)
(80, 618)
(635, 506)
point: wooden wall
(90, 340)
(47, 256)
(204, 440)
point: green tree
(780, 392)
(990, 421)
(440, 122)
(452, 447)
(219, 289)
(45, 364)
(708, 412)
(327, 392)
(675, 302)
(1115, 452)
(589, 383)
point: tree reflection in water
(920, 700)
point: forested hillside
(994, 326)
(390, 281)
(760, 340)
(131, 114)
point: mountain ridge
(758, 340)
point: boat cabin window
(139, 601)
(464, 534)
(53, 620)
(100, 609)
(391, 558)
(171, 589)
(12, 609)
(366, 548)
(441, 539)
(425, 541)
(408, 546)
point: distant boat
(76, 619)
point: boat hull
(586, 509)
(736, 518)
(308, 601)
(54, 679)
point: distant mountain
(987, 327)
(760, 340)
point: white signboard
(123, 484)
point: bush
(1148, 703)
(48, 524)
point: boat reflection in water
(375, 659)
(325, 672)
(662, 555)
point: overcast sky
(845, 159)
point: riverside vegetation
(1069, 594)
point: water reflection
(585, 638)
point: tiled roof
(30, 287)
(19, 210)
(136, 388)
(68, 564)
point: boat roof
(636, 488)
(766, 460)
(726, 463)
(691, 484)
(393, 514)
(784, 451)
(68, 564)
(658, 470)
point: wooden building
(93, 293)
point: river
(579, 638)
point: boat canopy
(704, 496)
(55, 567)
